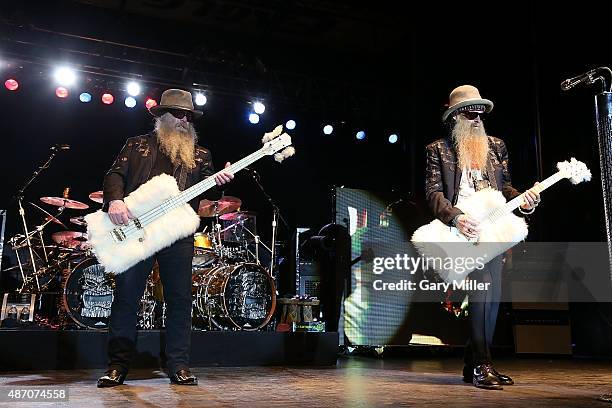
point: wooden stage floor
(354, 382)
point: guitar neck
(208, 183)
(517, 201)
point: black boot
(111, 378)
(483, 377)
(184, 377)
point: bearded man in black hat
(171, 148)
(457, 166)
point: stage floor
(354, 382)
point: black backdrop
(516, 54)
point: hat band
(475, 107)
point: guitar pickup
(118, 235)
(137, 222)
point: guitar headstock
(574, 170)
(275, 141)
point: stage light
(200, 99)
(11, 84)
(150, 103)
(130, 102)
(393, 138)
(61, 92)
(259, 108)
(65, 76)
(254, 118)
(133, 89)
(107, 99)
(85, 97)
(360, 135)
(290, 124)
(328, 129)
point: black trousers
(483, 307)
(175, 273)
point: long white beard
(471, 144)
(177, 144)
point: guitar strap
(491, 175)
(182, 177)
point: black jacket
(134, 165)
(443, 176)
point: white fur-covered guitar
(500, 229)
(162, 213)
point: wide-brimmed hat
(175, 99)
(466, 98)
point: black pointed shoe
(483, 377)
(183, 377)
(111, 378)
(503, 379)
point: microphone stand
(19, 197)
(275, 217)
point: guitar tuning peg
(282, 155)
(288, 152)
(271, 135)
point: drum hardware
(78, 221)
(19, 196)
(226, 204)
(236, 297)
(97, 197)
(275, 217)
(87, 294)
(70, 239)
(64, 202)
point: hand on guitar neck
(531, 198)
(224, 176)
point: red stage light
(11, 84)
(61, 92)
(107, 98)
(150, 103)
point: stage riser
(47, 350)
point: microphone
(572, 82)
(59, 147)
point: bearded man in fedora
(457, 166)
(171, 148)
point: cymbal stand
(19, 197)
(258, 242)
(276, 216)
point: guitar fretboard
(192, 192)
(517, 201)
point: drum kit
(231, 290)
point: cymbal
(78, 220)
(70, 239)
(97, 197)
(225, 205)
(64, 202)
(238, 215)
(48, 217)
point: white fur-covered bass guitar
(448, 248)
(162, 213)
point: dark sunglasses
(180, 114)
(472, 115)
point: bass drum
(237, 297)
(88, 295)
